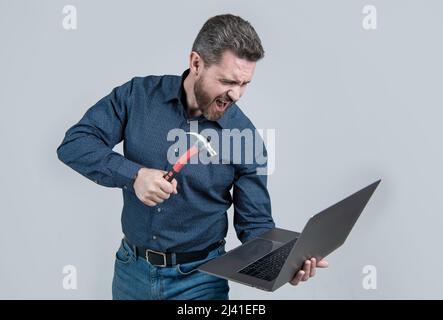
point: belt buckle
(159, 253)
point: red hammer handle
(180, 163)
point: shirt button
(154, 237)
(159, 209)
(125, 187)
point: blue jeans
(136, 279)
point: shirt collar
(176, 88)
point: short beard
(204, 102)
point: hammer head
(203, 144)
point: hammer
(201, 144)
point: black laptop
(271, 260)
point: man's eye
(228, 83)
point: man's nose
(234, 94)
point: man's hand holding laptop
(308, 270)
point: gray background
(348, 105)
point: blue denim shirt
(140, 113)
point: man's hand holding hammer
(151, 188)
(155, 186)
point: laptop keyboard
(269, 266)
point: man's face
(220, 85)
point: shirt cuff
(126, 174)
(256, 233)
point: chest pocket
(211, 178)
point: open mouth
(221, 104)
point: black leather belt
(169, 259)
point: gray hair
(227, 32)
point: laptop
(272, 259)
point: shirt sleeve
(87, 146)
(252, 204)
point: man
(172, 228)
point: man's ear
(195, 63)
